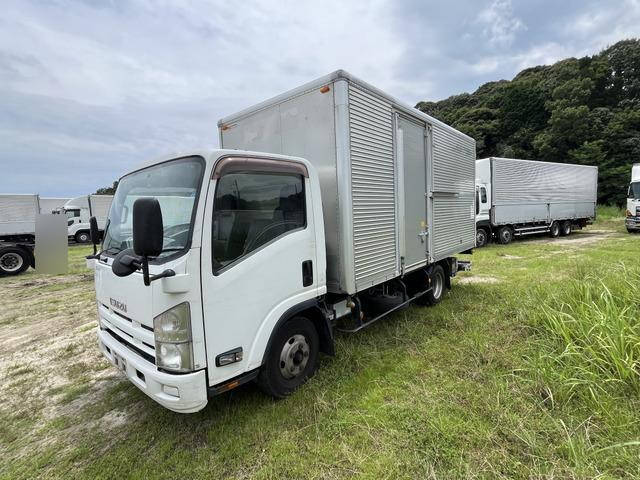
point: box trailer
(52, 204)
(396, 183)
(632, 221)
(524, 197)
(226, 266)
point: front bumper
(632, 223)
(187, 392)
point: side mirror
(94, 232)
(147, 227)
(148, 235)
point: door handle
(307, 273)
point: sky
(91, 88)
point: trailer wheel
(292, 358)
(13, 261)
(482, 237)
(554, 230)
(82, 237)
(505, 235)
(566, 228)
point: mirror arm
(145, 272)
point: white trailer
(78, 211)
(524, 197)
(272, 253)
(17, 232)
(632, 221)
(52, 204)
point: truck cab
(245, 251)
(632, 221)
(483, 214)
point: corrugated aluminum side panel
(18, 214)
(453, 184)
(373, 188)
(526, 190)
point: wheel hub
(11, 261)
(294, 356)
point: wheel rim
(555, 229)
(294, 356)
(567, 229)
(506, 236)
(480, 237)
(11, 262)
(84, 237)
(437, 285)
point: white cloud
(500, 25)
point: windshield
(634, 190)
(175, 185)
(72, 213)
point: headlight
(172, 332)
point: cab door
(258, 258)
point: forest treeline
(578, 110)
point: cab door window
(252, 209)
(483, 194)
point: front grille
(133, 334)
(140, 352)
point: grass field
(528, 369)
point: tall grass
(607, 212)
(591, 335)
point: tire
(13, 261)
(554, 230)
(565, 228)
(505, 235)
(438, 285)
(83, 237)
(292, 358)
(482, 237)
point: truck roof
(535, 161)
(333, 76)
(214, 153)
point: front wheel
(482, 238)
(292, 358)
(554, 230)
(82, 237)
(13, 261)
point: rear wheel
(505, 235)
(482, 237)
(292, 358)
(13, 261)
(566, 228)
(438, 285)
(554, 230)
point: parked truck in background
(78, 211)
(52, 204)
(525, 197)
(350, 206)
(632, 221)
(17, 232)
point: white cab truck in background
(350, 206)
(525, 197)
(632, 221)
(17, 232)
(78, 211)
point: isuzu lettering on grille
(118, 305)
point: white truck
(632, 222)
(353, 206)
(78, 211)
(17, 232)
(526, 197)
